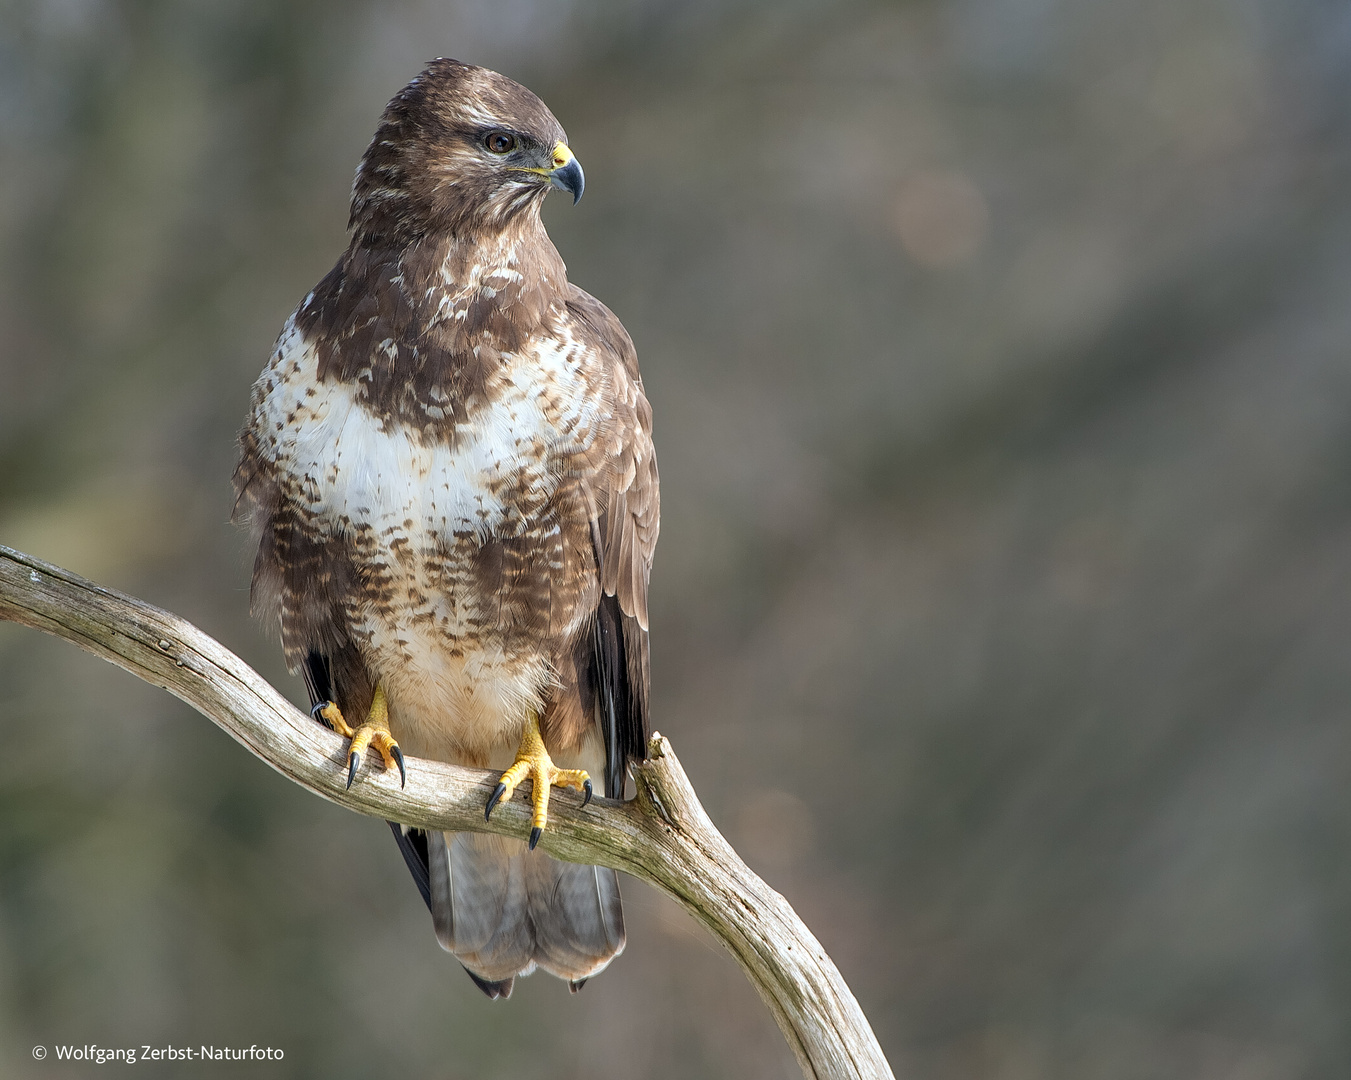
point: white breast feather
(353, 470)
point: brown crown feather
(426, 168)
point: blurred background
(1000, 352)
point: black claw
(493, 800)
(535, 834)
(398, 757)
(316, 712)
(587, 785)
(353, 764)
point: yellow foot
(374, 732)
(533, 760)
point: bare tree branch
(663, 836)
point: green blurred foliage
(999, 356)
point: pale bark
(663, 836)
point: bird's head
(460, 148)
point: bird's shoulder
(600, 329)
(624, 477)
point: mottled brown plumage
(449, 469)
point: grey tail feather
(503, 910)
(413, 844)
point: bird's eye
(500, 142)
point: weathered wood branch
(663, 836)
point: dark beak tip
(570, 178)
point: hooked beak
(566, 174)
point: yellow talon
(331, 715)
(532, 760)
(374, 732)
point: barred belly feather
(420, 510)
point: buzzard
(448, 469)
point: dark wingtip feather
(318, 672)
(413, 846)
(494, 990)
(620, 672)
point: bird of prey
(448, 468)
